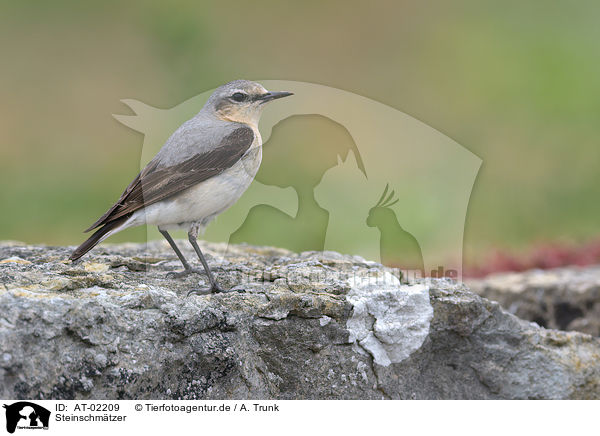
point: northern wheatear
(202, 169)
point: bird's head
(241, 101)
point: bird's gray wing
(158, 181)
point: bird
(202, 169)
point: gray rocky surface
(310, 325)
(562, 298)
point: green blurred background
(517, 83)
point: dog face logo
(26, 415)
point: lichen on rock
(389, 320)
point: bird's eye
(239, 96)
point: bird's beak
(273, 96)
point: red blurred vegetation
(544, 256)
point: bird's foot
(216, 289)
(184, 273)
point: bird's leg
(214, 286)
(187, 268)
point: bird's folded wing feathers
(156, 182)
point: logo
(329, 155)
(26, 415)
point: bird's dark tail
(98, 236)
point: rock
(310, 325)
(562, 298)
